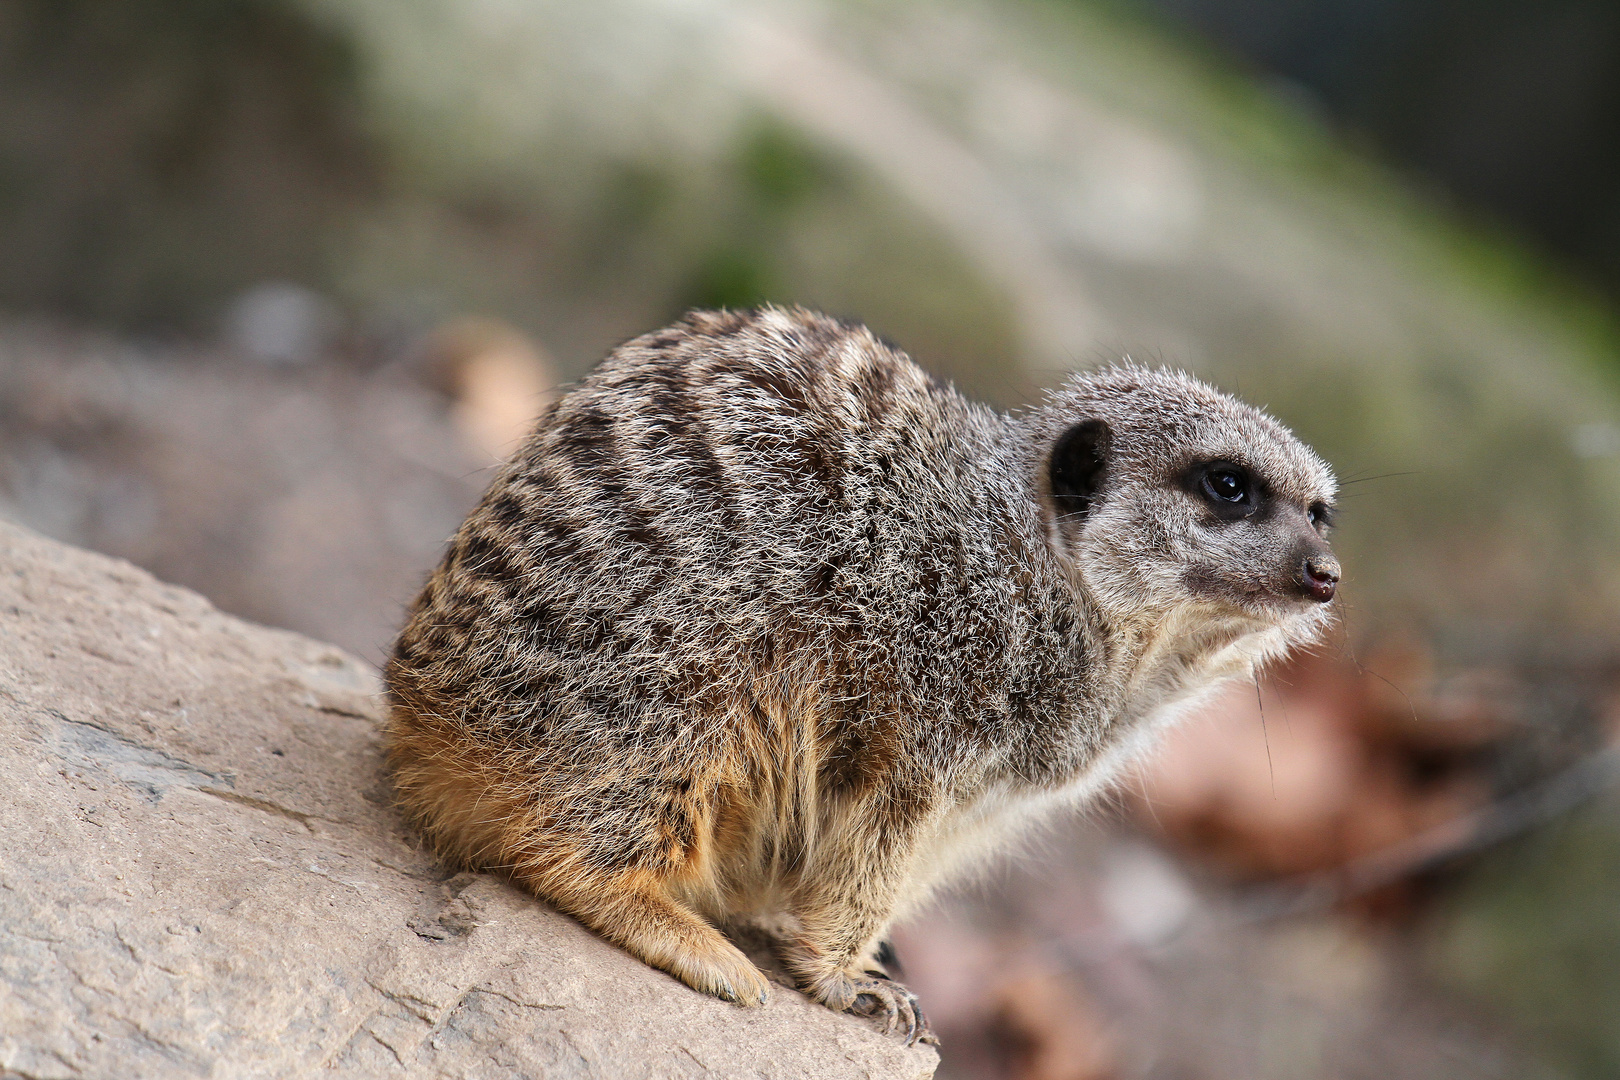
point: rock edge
(201, 875)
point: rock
(201, 875)
(313, 497)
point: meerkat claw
(896, 1004)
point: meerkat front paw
(873, 994)
(728, 975)
(882, 996)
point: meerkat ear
(1079, 460)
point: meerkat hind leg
(636, 912)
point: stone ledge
(200, 875)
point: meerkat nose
(1321, 576)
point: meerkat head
(1167, 497)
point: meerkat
(764, 619)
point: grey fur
(766, 614)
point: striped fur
(764, 619)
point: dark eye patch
(1322, 515)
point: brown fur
(762, 619)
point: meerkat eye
(1227, 484)
(1230, 491)
(1321, 515)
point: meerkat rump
(763, 619)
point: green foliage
(771, 174)
(732, 278)
(780, 170)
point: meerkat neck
(1164, 663)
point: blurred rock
(1596, 440)
(281, 323)
(1007, 190)
(202, 877)
(314, 497)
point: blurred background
(281, 279)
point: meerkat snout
(1320, 576)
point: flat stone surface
(200, 875)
